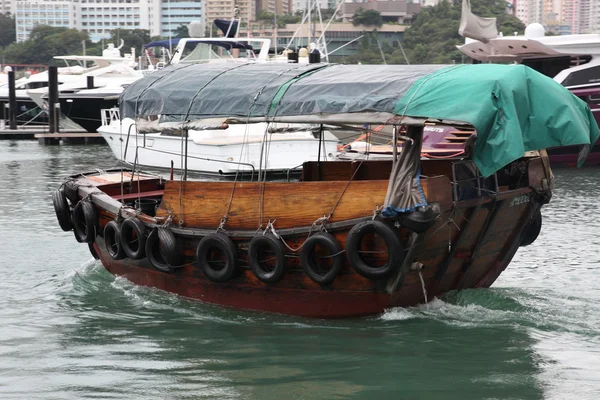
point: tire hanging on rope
(133, 238)
(217, 257)
(85, 221)
(322, 269)
(532, 229)
(71, 189)
(368, 268)
(259, 257)
(62, 210)
(112, 240)
(162, 250)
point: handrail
(199, 158)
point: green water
(70, 330)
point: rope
(442, 157)
(344, 191)
(181, 179)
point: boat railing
(467, 181)
(199, 158)
(109, 115)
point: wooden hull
(468, 246)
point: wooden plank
(292, 204)
(67, 135)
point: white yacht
(219, 151)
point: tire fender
(532, 229)
(62, 210)
(85, 222)
(222, 243)
(256, 247)
(133, 238)
(394, 246)
(112, 240)
(313, 267)
(162, 250)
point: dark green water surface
(70, 330)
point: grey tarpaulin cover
(513, 108)
(200, 91)
(474, 27)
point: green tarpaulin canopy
(514, 108)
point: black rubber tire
(224, 244)
(310, 262)
(93, 251)
(71, 190)
(112, 240)
(62, 210)
(393, 244)
(271, 243)
(85, 222)
(162, 250)
(532, 230)
(133, 238)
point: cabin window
(584, 77)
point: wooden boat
(348, 238)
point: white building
(300, 5)
(28, 14)
(99, 17)
(174, 13)
(7, 6)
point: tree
(136, 38)
(7, 29)
(433, 36)
(368, 50)
(284, 19)
(367, 17)
(181, 32)
(43, 44)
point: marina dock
(44, 137)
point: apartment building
(28, 14)
(7, 6)
(99, 17)
(399, 11)
(561, 16)
(340, 37)
(175, 13)
(224, 9)
(299, 5)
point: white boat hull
(222, 152)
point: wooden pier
(41, 134)
(70, 138)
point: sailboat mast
(309, 6)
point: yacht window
(583, 77)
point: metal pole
(83, 45)
(395, 143)
(12, 101)
(185, 160)
(52, 98)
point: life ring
(71, 191)
(62, 210)
(221, 246)
(532, 229)
(112, 240)
(257, 249)
(322, 271)
(85, 222)
(133, 239)
(162, 250)
(395, 253)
